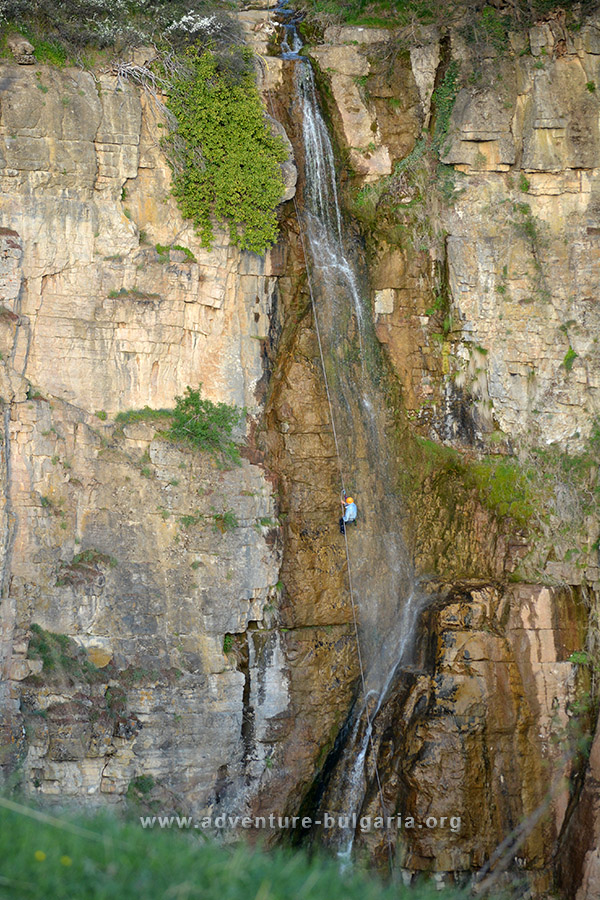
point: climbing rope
(343, 488)
(347, 548)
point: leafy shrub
(443, 99)
(142, 784)
(94, 557)
(523, 183)
(214, 29)
(85, 569)
(61, 657)
(188, 520)
(580, 658)
(188, 253)
(57, 29)
(224, 157)
(570, 357)
(225, 521)
(206, 425)
(142, 415)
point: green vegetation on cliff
(483, 20)
(404, 208)
(73, 27)
(543, 497)
(225, 158)
(195, 420)
(206, 425)
(60, 655)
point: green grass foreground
(100, 858)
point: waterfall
(322, 209)
(387, 595)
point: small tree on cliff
(206, 425)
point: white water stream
(388, 599)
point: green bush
(142, 415)
(206, 425)
(61, 657)
(523, 183)
(570, 357)
(443, 100)
(189, 520)
(143, 784)
(225, 521)
(188, 253)
(57, 29)
(224, 157)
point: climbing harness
(346, 501)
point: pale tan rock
(350, 35)
(384, 302)
(344, 67)
(258, 28)
(106, 323)
(341, 60)
(91, 242)
(21, 49)
(424, 62)
(481, 127)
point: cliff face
(227, 658)
(483, 265)
(518, 235)
(112, 535)
(208, 687)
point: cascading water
(387, 596)
(322, 208)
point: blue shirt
(350, 512)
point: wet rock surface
(227, 659)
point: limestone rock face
(89, 198)
(520, 227)
(114, 536)
(164, 566)
(376, 101)
(482, 727)
(213, 599)
(483, 274)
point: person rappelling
(350, 511)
